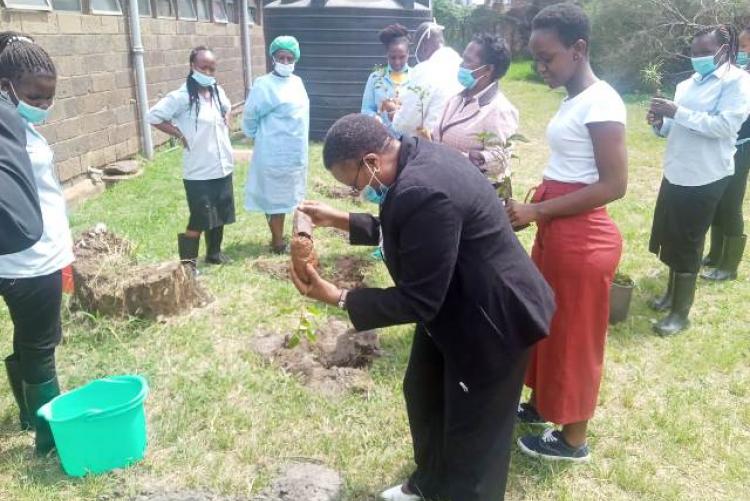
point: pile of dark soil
(334, 364)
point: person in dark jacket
(20, 215)
(463, 277)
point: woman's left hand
(316, 288)
(663, 107)
(521, 214)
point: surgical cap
(285, 42)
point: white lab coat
(438, 77)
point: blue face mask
(203, 79)
(372, 195)
(743, 58)
(705, 65)
(31, 114)
(466, 77)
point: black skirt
(682, 217)
(211, 203)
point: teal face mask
(743, 58)
(466, 77)
(31, 114)
(705, 65)
(202, 79)
(372, 195)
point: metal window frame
(208, 10)
(81, 8)
(98, 12)
(213, 16)
(179, 14)
(150, 12)
(155, 10)
(14, 5)
(235, 19)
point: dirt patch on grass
(304, 482)
(349, 272)
(337, 192)
(334, 364)
(185, 495)
(108, 281)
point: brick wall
(94, 121)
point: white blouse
(54, 251)
(210, 153)
(572, 159)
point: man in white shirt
(432, 83)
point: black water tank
(340, 47)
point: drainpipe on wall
(247, 61)
(141, 97)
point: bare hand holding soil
(325, 216)
(316, 287)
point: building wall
(94, 120)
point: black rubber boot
(214, 237)
(188, 249)
(734, 248)
(717, 247)
(36, 396)
(13, 368)
(664, 302)
(684, 294)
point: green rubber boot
(36, 396)
(13, 368)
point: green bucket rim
(46, 410)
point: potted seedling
(391, 104)
(621, 293)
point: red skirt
(578, 256)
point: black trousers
(728, 217)
(462, 435)
(34, 306)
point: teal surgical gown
(277, 117)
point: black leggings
(34, 305)
(728, 217)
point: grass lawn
(674, 415)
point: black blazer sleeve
(20, 216)
(364, 229)
(428, 229)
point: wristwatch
(342, 299)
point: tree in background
(630, 36)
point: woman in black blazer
(462, 276)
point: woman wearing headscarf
(198, 115)
(277, 118)
(385, 85)
(728, 237)
(701, 127)
(480, 120)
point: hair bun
(393, 33)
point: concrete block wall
(94, 121)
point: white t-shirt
(572, 158)
(54, 251)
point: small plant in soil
(307, 326)
(623, 279)
(422, 95)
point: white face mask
(283, 69)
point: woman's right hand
(325, 216)
(654, 120)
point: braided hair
(19, 54)
(725, 34)
(194, 88)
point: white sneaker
(397, 494)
